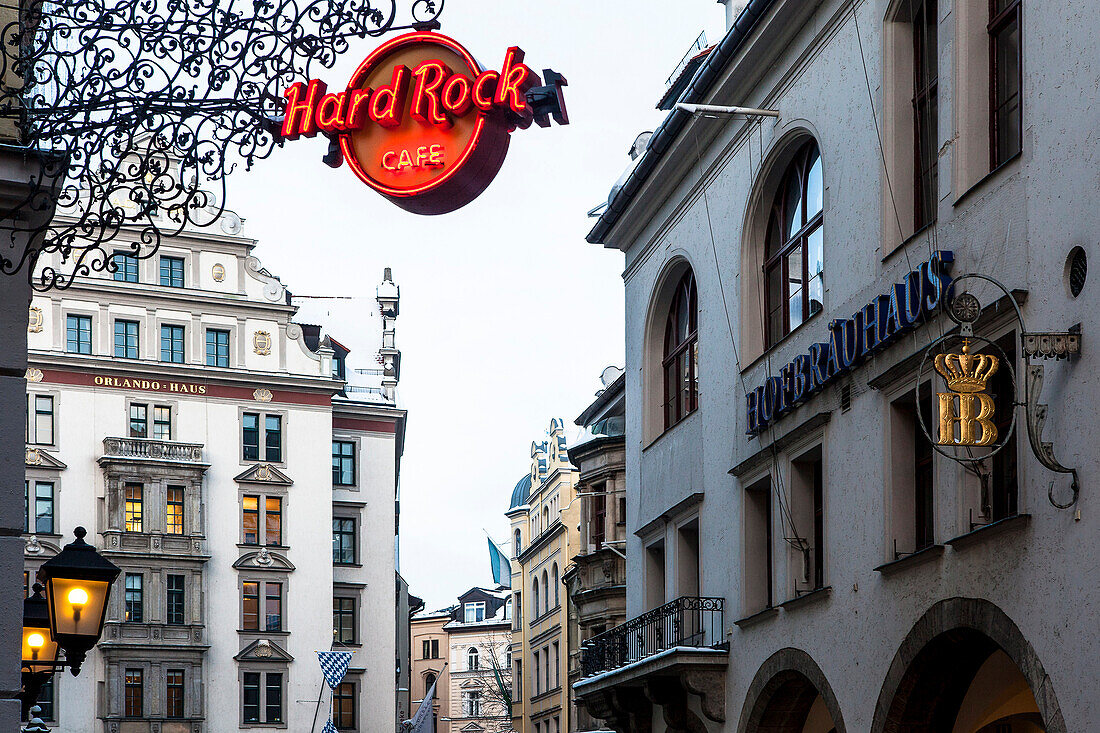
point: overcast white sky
(507, 315)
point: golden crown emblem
(966, 372)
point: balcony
(658, 658)
(145, 449)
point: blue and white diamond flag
(334, 665)
(329, 727)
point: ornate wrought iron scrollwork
(138, 110)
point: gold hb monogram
(966, 405)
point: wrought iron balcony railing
(163, 450)
(686, 622)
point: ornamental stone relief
(34, 321)
(261, 343)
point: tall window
(554, 582)
(127, 265)
(516, 546)
(174, 509)
(343, 620)
(430, 649)
(473, 658)
(217, 348)
(1002, 499)
(139, 421)
(40, 419)
(171, 271)
(538, 673)
(758, 547)
(343, 463)
(272, 437)
(135, 598)
(175, 600)
(135, 693)
(1006, 72)
(47, 700)
(273, 697)
(535, 613)
(343, 541)
(134, 506)
(794, 255)
(262, 693)
(273, 606)
(473, 612)
(162, 422)
(597, 517)
(126, 339)
(174, 694)
(545, 593)
(78, 334)
(925, 111)
(681, 353)
(343, 706)
(38, 507)
(272, 522)
(171, 344)
(471, 704)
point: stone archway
(790, 694)
(965, 667)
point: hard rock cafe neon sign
(422, 122)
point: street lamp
(77, 580)
(39, 648)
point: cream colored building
(429, 663)
(544, 519)
(480, 658)
(219, 454)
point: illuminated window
(250, 604)
(133, 507)
(1006, 71)
(134, 597)
(174, 694)
(681, 353)
(126, 339)
(78, 334)
(251, 520)
(272, 507)
(135, 693)
(273, 520)
(273, 606)
(174, 510)
(343, 706)
(171, 271)
(175, 600)
(171, 344)
(40, 420)
(794, 257)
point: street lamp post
(78, 580)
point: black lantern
(39, 648)
(78, 580)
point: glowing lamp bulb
(78, 597)
(36, 641)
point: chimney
(388, 296)
(733, 9)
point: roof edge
(666, 133)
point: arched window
(793, 247)
(545, 593)
(545, 517)
(429, 680)
(681, 353)
(535, 599)
(472, 658)
(516, 548)
(554, 580)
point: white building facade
(217, 453)
(800, 558)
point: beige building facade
(429, 664)
(544, 519)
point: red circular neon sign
(421, 122)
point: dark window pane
(343, 541)
(274, 698)
(134, 598)
(273, 438)
(250, 436)
(175, 611)
(251, 697)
